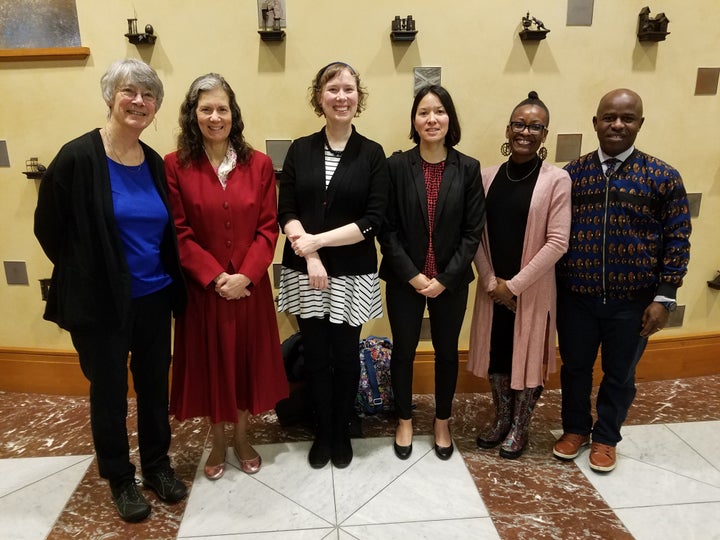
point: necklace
(108, 140)
(336, 153)
(507, 172)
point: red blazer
(219, 228)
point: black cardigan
(75, 225)
(357, 193)
(459, 219)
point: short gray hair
(131, 71)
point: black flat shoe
(402, 452)
(444, 452)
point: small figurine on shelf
(532, 34)
(271, 27)
(403, 29)
(147, 38)
(34, 169)
(652, 29)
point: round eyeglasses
(130, 93)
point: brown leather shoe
(602, 457)
(568, 446)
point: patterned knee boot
(503, 399)
(514, 444)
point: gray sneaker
(130, 503)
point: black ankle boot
(319, 454)
(341, 452)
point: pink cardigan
(546, 239)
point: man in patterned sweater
(628, 254)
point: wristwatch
(670, 305)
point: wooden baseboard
(58, 372)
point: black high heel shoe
(402, 452)
(444, 452)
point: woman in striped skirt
(333, 195)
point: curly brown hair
(190, 139)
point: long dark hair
(453, 134)
(190, 139)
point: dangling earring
(542, 153)
(155, 123)
(505, 149)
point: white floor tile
(429, 489)
(18, 473)
(238, 503)
(688, 521)
(307, 534)
(648, 474)
(289, 499)
(661, 446)
(452, 529)
(41, 488)
(704, 437)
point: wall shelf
(57, 53)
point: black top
(459, 219)
(508, 204)
(357, 193)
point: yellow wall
(485, 66)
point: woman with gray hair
(103, 219)
(227, 362)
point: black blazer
(75, 225)
(459, 219)
(357, 193)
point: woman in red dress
(227, 361)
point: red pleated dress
(227, 352)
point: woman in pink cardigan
(512, 340)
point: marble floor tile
(423, 490)
(449, 529)
(666, 484)
(34, 493)
(655, 468)
(287, 494)
(700, 521)
(704, 437)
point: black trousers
(405, 311)
(103, 356)
(584, 325)
(332, 371)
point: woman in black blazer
(435, 217)
(333, 196)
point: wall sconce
(532, 34)
(148, 38)
(34, 170)
(403, 29)
(652, 29)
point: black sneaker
(130, 503)
(166, 485)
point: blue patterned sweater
(630, 235)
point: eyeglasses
(519, 127)
(131, 93)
